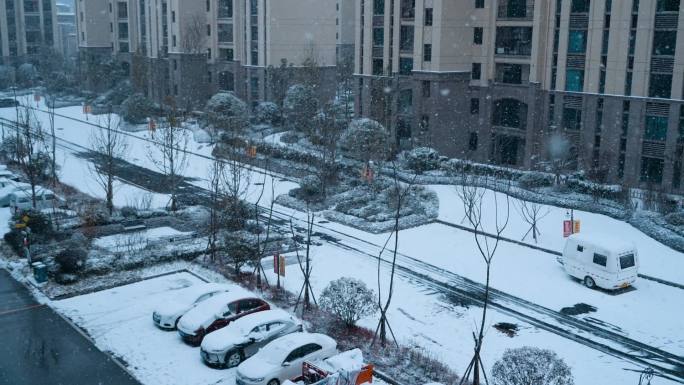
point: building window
(225, 33)
(479, 3)
(254, 7)
(225, 9)
(577, 42)
(405, 66)
(656, 128)
(408, 9)
(173, 40)
(378, 68)
(406, 38)
(667, 6)
(514, 9)
(659, 86)
(123, 47)
(509, 73)
(378, 37)
(209, 53)
(378, 7)
(476, 72)
(474, 106)
(572, 119)
(227, 54)
(510, 113)
(425, 122)
(664, 43)
(472, 141)
(427, 52)
(123, 31)
(652, 170)
(514, 41)
(173, 16)
(579, 6)
(574, 80)
(255, 58)
(426, 88)
(406, 102)
(122, 10)
(428, 17)
(478, 33)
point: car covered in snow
(346, 368)
(282, 359)
(217, 312)
(167, 313)
(243, 338)
(601, 261)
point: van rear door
(627, 267)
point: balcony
(513, 41)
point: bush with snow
(310, 189)
(225, 111)
(676, 218)
(531, 366)
(300, 108)
(137, 108)
(349, 299)
(72, 259)
(533, 179)
(422, 159)
(267, 113)
(366, 139)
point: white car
(243, 338)
(167, 314)
(282, 359)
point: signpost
(278, 267)
(571, 226)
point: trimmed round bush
(422, 159)
(137, 108)
(349, 299)
(535, 180)
(676, 218)
(72, 259)
(267, 113)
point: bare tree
(262, 245)
(110, 145)
(194, 35)
(236, 186)
(31, 159)
(216, 180)
(169, 151)
(50, 103)
(305, 266)
(402, 192)
(487, 245)
(532, 213)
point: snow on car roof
(206, 309)
(278, 349)
(191, 293)
(247, 323)
(603, 241)
(348, 361)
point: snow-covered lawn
(423, 318)
(120, 321)
(138, 239)
(5, 216)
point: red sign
(152, 125)
(567, 228)
(87, 109)
(36, 97)
(279, 265)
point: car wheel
(589, 282)
(274, 382)
(233, 358)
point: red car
(215, 313)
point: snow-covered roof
(604, 241)
(205, 311)
(276, 351)
(348, 361)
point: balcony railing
(522, 49)
(515, 10)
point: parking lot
(120, 321)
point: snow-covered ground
(5, 216)
(649, 314)
(139, 239)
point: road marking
(12, 311)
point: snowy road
(436, 268)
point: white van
(20, 199)
(601, 261)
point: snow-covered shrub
(26, 74)
(349, 299)
(676, 218)
(225, 111)
(612, 192)
(310, 189)
(93, 215)
(290, 137)
(72, 259)
(533, 179)
(267, 113)
(117, 95)
(137, 108)
(366, 139)
(531, 366)
(129, 212)
(422, 159)
(6, 76)
(300, 108)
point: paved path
(38, 347)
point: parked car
(282, 359)
(601, 261)
(167, 314)
(243, 338)
(216, 313)
(22, 199)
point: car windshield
(627, 261)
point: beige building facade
(27, 26)
(500, 80)
(188, 50)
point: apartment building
(68, 35)
(188, 50)
(502, 81)
(345, 22)
(26, 27)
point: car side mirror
(286, 364)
